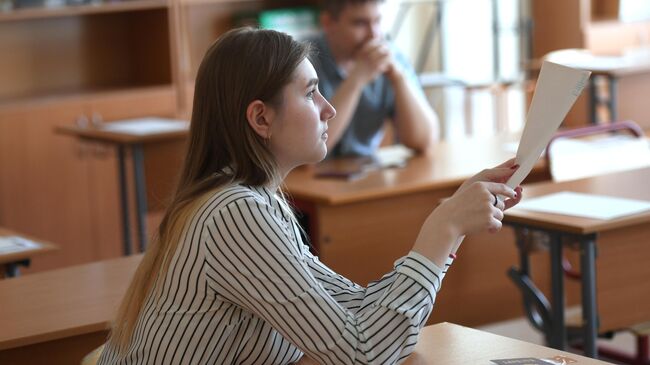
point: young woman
(228, 279)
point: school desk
(626, 80)
(627, 87)
(11, 260)
(165, 144)
(451, 344)
(58, 316)
(614, 255)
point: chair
(595, 150)
(575, 154)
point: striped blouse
(242, 288)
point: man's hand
(373, 59)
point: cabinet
(97, 62)
(588, 24)
(75, 64)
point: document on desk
(15, 243)
(557, 89)
(585, 205)
(146, 126)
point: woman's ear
(260, 118)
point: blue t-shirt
(376, 103)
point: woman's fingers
(501, 189)
(480, 206)
(509, 203)
(497, 174)
(495, 226)
(508, 164)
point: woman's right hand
(470, 210)
(476, 207)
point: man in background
(368, 82)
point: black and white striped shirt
(242, 288)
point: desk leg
(140, 193)
(558, 329)
(12, 269)
(613, 90)
(593, 100)
(589, 305)
(124, 200)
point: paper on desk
(145, 126)
(557, 89)
(393, 156)
(15, 243)
(585, 205)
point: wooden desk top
(62, 303)
(447, 343)
(629, 184)
(446, 165)
(615, 66)
(18, 255)
(96, 134)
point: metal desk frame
(550, 319)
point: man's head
(349, 24)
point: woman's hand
(476, 207)
(498, 174)
(473, 208)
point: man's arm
(415, 121)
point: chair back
(597, 150)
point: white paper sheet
(145, 126)
(557, 89)
(585, 205)
(15, 243)
(393, 156)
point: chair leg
(643, 349)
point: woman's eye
(310, 94)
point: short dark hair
(335, 7)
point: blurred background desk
(166, 138)
(618, 84)
(360, 227)
(24, 248)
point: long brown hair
(243, 65)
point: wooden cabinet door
(44, 182)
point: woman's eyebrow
(312, 82)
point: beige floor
(522, 330)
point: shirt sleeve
(254, 260)
(408, 70)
